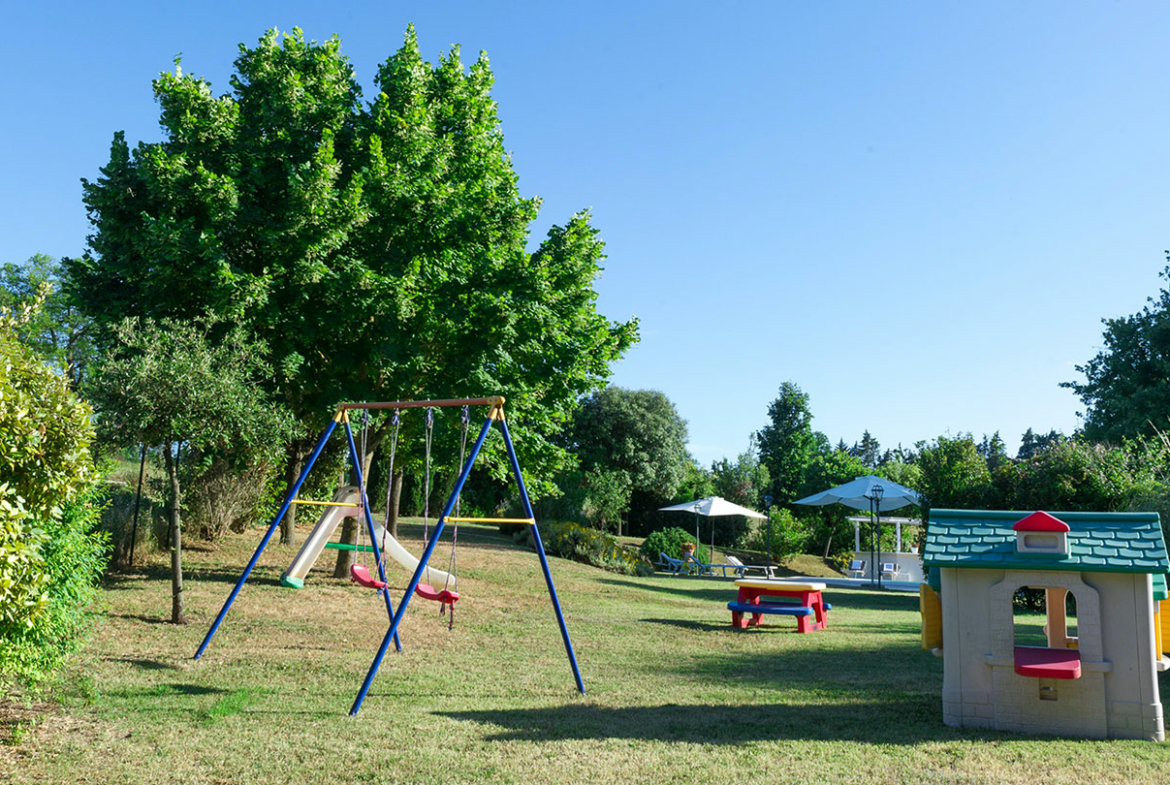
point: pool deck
(862, 583)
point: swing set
(360, 573)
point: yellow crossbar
(453, 519)
(324, 504)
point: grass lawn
(674, 693)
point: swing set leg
(430, 547)
(552, 590)
(292, 494)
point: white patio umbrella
(872, 493)
(711, 507)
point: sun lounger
(667, 564)
(696, 565)
(742, 568)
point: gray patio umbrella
(710, 507)
(867, 493)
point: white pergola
(857, 520)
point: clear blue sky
(917, 211)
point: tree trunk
(177, 614)
(346, 559)
(294, 459)
(349, 527)
(395, 498)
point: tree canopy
(379, 250)
(1126, 391)
(636, 432)
(787, 443)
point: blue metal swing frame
(496, 415)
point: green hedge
(50, 555)
(72, 559)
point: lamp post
(768, 530)
(877, 493)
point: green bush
(50, 555)
(23, 579)
(588, 546)
(789, 536)
(670, 541)
(74, 555)
(840, 561)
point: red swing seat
(360, 575)
(427, 592)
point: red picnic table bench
(809, 608)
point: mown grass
(674, 693)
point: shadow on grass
(708, 590)
(703, 626)
(149, 665)
(130, 579)
(688, 588)
(163, 690)
(818, 662)
(909, 719)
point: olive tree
(164, 383)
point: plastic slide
(294, 576)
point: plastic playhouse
(1103, 682)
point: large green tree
(1126, 391)
(788, 443)
(953, 473)
(828, 525)
(638, 433)
(379, 250)
(744, 480)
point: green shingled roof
(1098, 542)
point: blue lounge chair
(667, 564)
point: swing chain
(361, 553)
(430, 423)
(452, 581)
(395, 422)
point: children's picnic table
(809, 608)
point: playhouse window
(1041, 542)
(1054, 543)
(1030, 617)
(1045, 630)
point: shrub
(671, 541)
(840, 561)
(221, 498)
(588, 546)
(790, 535)
(50, 557)
(23, 578)
(74, 556)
